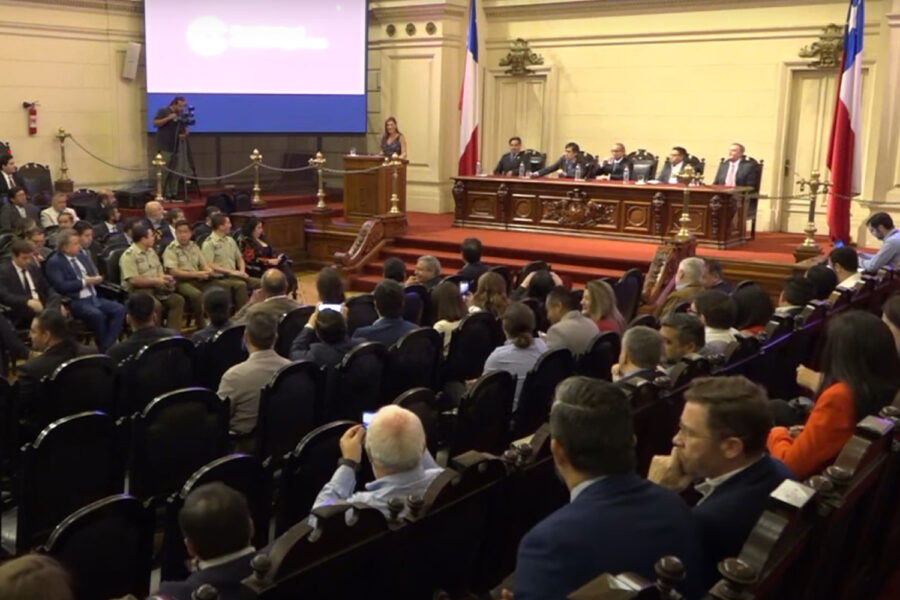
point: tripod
(185, 160)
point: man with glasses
(882, 227)
(566, 164)
(674, 166)
(613, 168)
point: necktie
(28, 290)
(79, 270)
(10, 181)
(732, 169)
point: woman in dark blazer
(259, 255)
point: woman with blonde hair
(34, 577)
(599, 303)
(490, 295)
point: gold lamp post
(686, 177)
(815, 184)
(61, 135)
(159, 162)
(256, 201)
(319, 162)
(394, 163)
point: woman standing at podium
(392, 141)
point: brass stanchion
(686, 177)
(159, 162)
(319, 162)
(394, 163)
(256, 201)
(809, 247)
(63, 184)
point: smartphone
(839, 243)
(334, 307)
(367, 418)
(463, 287)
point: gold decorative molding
(827, 51)
(520, 57)
(108, 6)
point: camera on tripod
(186, 116)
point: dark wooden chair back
(643, 164)
(290, 406)
(537, 391)
(628, 292)
(175, 435)
(421, 401)
(417, 305)
(644, 320)
(655, 420)
(85, 383)
(289, 327)
(159, 367)
(414, 361)
(603, 353)
(37, 182)
(689, 367)
(106, 547)
(360, 312)
(484, 415)
(355, 386)
(224, 350)
(539, 309)
(530, 267)
(109, 264)
(470, 345)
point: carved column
(503, 207)
(658, 203)
(459, 198)
(715, 208)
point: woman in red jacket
(860, 375)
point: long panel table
(604, 209)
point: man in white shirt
(674, 166)
(718, 312)
(50, 216)
(881, 225)
(18, 210)
(845, 264)
(8, 177)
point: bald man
(271, 298)
(153, 219)
(395, 445)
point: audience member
(10, 178)
(449, 310)
(88, 248)
(34, 577)
(537, 285)
(23, 287)
(640, 356)
(394, 268)
(51, 337)
(569, 328)
(217, 528)
(599, 303)
(490, 295)
(713, 278)
(796, 293)
(395, 446)
(682, 334)
(38, 239)
(221, 253)
(521, 350)
(259, 254)
(390, 325)
(882, 227)
(217, 308)
(890, 316)
(242, 383)
(845, 263)
(754, 308)
(688, 283)
(12, 347)
(18, 209)
(171, 216)
(141, 270)
(72, 274)
(154, 219)
(65, 221)
(611, 507)
(142, 312)
(427, 272)
(271, 298)
(471, 254)
(718, 312)
(720, 446)
(330, 286)
(184, 262)
(323, 339)
(94, 212)
(824, 281)
(204, 229)
(860, 375)
(50, 215)
(109, 232)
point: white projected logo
(210, 36)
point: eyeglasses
(690, 433)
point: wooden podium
(369, 194)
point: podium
(369, 194)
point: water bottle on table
(626, 175)
(521, 169)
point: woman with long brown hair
(490, 295)
(392, 141)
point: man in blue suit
(615, 521)
(721, 447)
(72, 274)
(390, 325)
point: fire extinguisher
(32, 116)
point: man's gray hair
(434, 265)
(63, 236)
(643, 345)
(395, 439)
(692, 268)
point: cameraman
(169, 127)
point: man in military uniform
(184, 261)
(141, 269)
(222, 254)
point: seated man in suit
(881, 225)
(141, 270)
(395, 446)
(171, 217)
(38, 239)
(72, 274)
(10, 178)
(17, 210)
(796, 293)
(509, 162)
(242, 383)
(471, 254)
(565, 165)
(205, 229)
(616, 521)
(22, 285)
(50, 215)
(143, 316)
(427, 272)
(683, 334)
(50, 336)
(323, 339)
(394, 268)
(688, 283)
(94, 214)
(88, 248)
(109, 230)
(569, 328)
(183, 261)
(613, 168)
(721, 448)
(390, 325)
(845, 263)
(738, 170)
(718, 311)
(217, 308)
(217, 527)
(640, 356)
(674, 166)
(65, 221)
(154, 219)
(713, 279)
(271, 298)
(222, 254)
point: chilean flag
(468, 103)
(844, 151)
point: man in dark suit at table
(615, 520)
(613, 168)
(674, 166)
(390, 325)
(23, 286)
(17, 210)
(9, 178)
(566, 164)
(509, 162)
(738, 170)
